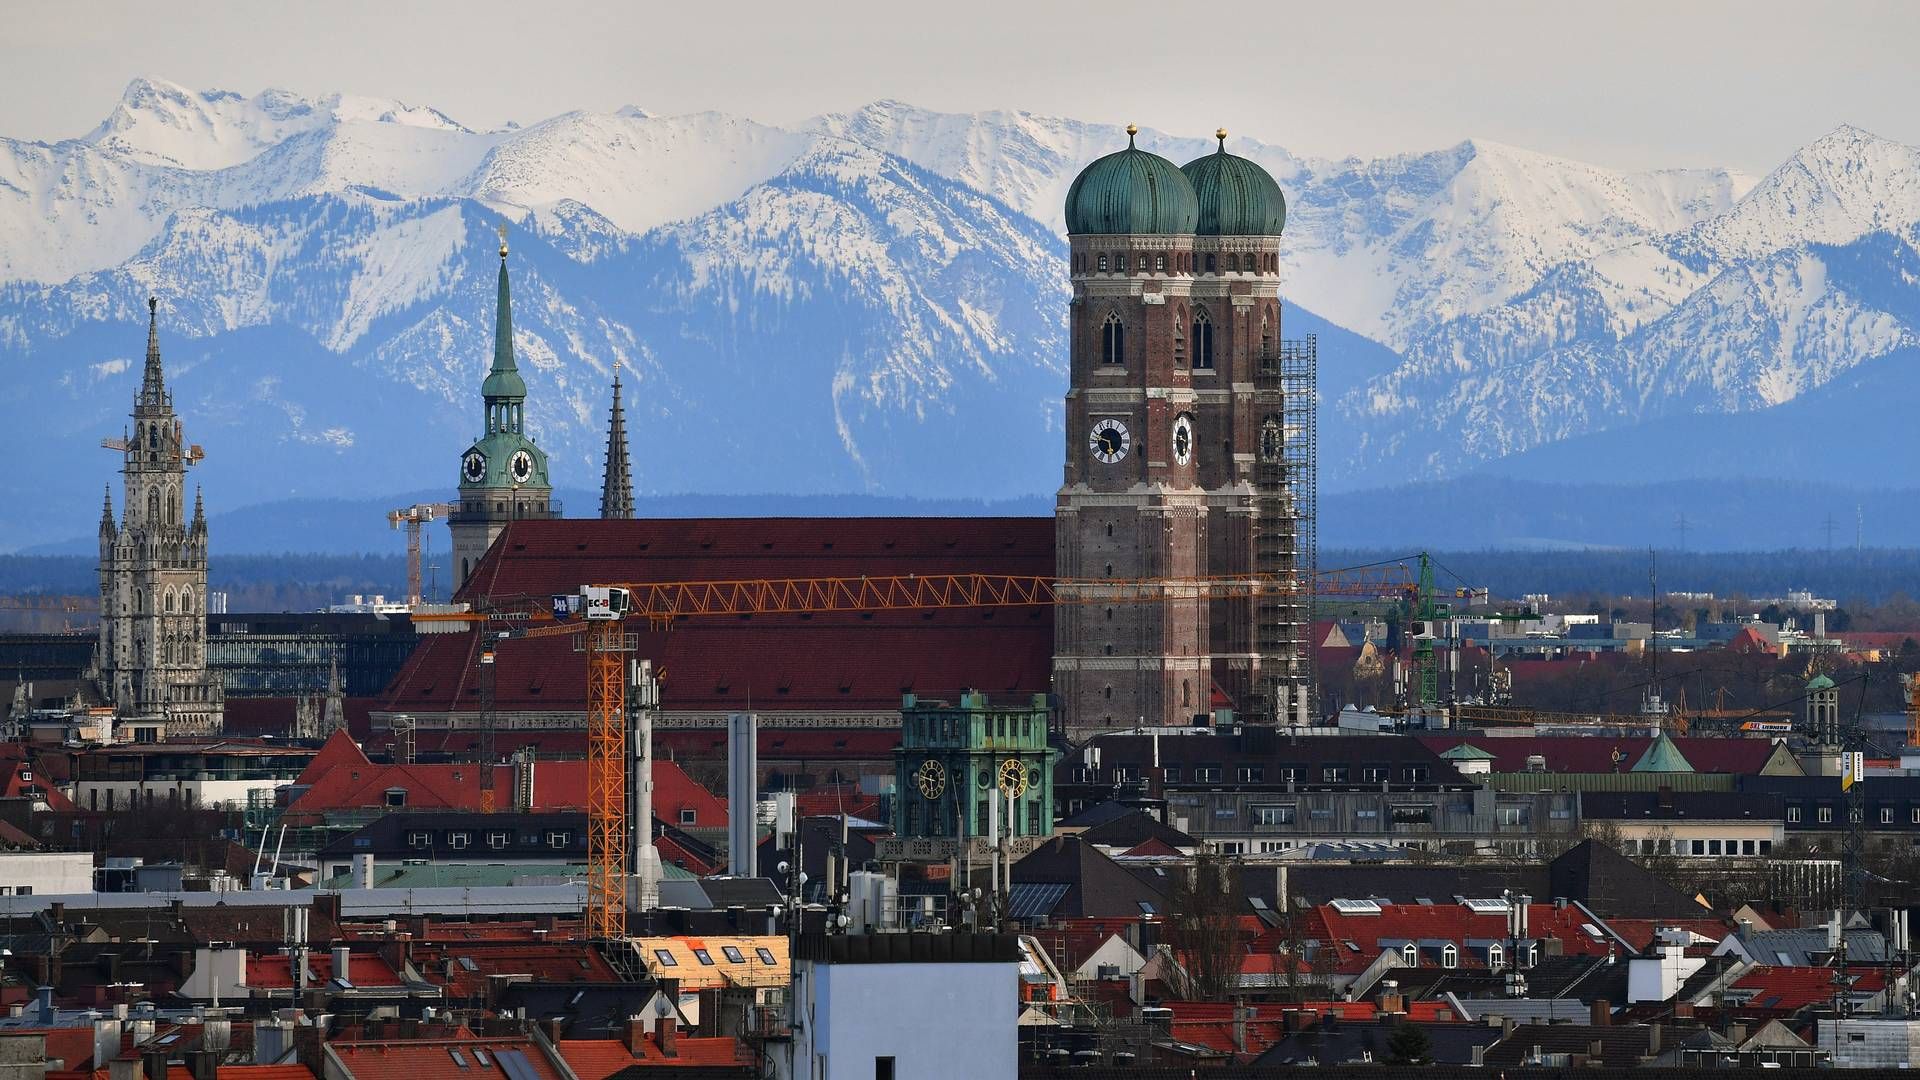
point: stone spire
(616, 486)
(199, 514)
(106, 512)
(333, 715)
(153, 385)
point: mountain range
(874, 302)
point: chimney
(154, 1064)
(43, 1001)
(205, 1063)
(1240, 1014)
(635, 1036)
(1602, 1013)
(1737, 1034)
(1506, 1027)
(668, 1037)
(57, 912)
(123, 1069)
(553, 1030)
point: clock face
(520, 466)
(474, 468)
(1272, 440)
(1183, 439)
(1013, 778)
(1110, 441)
(931, 779)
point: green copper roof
(1236, 196)
(1131, 192)
(1663, 756)
(1466, 752)
(1820, 682)
(504, 380)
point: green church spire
(504, 384)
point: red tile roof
(463, 967)
(1640, 932)
(19, 779)
(342, 777)
(827, 663)
(275, 972)
(598, 1059)
(433, 1060)
(1359, 938)
(1791, 988)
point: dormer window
(1411, 954)
(1449, 957)
(1496, 957)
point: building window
(1413, 815)
(1253, 774)
(459, 840)
(1495, 957)
(733, 954)
(1826, 815)
(1210, 262)
(1334, 774)
(1698, 847)
(1886, 815)
(1206, 774)
(1375, 774)
(1411, 954)
(1293, 774)
(1713, 847)
(1510, 815)
(396, 796)
(1793, 815)
(559, 838)
(1171, 774)
(497, 840)
(415, 839)
(883, 1068)
(1103, 263)
(688, 815)
(1231, 847)
(1202, 337)
(665, 958)
(705, 957)
(765, 955)
(1449, 956)
(1282, 814)
(1416, 774)
(1160, 263)
(1746, 847)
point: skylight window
(665, 958)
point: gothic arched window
(1103, 263)
(1113, 340)
(1209, 262)
(153, 436)
(1160, 263)
(1202, 339)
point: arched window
(1103, 263)
(1209, 262)
(1160, 263)
(1113, 340)
(1496, 957)
(1202, 339)
(173, 507)
(153, 436)
(1411, 954)
(169, 601)
(153, 505)
(1266, 336)
(1449, 957)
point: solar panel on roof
(1034, 899)
(1356, 907)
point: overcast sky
(1630, 85)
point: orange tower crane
(413, 517)
(605, 609)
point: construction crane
(413, 517)
(604, 610)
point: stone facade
(152, 659)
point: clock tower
(1174, 321)
(503, 475)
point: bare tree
(1204, 925)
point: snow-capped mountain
(870, 301)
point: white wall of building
(231, 794)
(36, 873)
(937, 1021)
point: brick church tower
(1175, 310)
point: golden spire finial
(1132, 130)
(1221, 134)
(503, 239)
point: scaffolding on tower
(1286, 541)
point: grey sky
(1630, 85)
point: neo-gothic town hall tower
(1178, 433)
